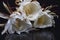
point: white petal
(1, 25)
(10, 29)
(47, 11)
(6, 27)
(46, 21)
(36, 10)
(24, 24)
(16, 15)
(4, 16)
(27, 0)
(18, 32)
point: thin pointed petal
(6, 27)
(4, 16)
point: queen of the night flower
(28, 10)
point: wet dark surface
(42, 34)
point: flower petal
(4, 16)
(31, 10)
(27, 0)
(6, 27)
(24, 25)
(18, 25)
(43, 22)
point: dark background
(44, 3)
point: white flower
(31, 10)
(16, 23)
(46, 20)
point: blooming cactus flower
(16, 23)
(44, 21)
(31, 10)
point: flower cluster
(29, 15)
